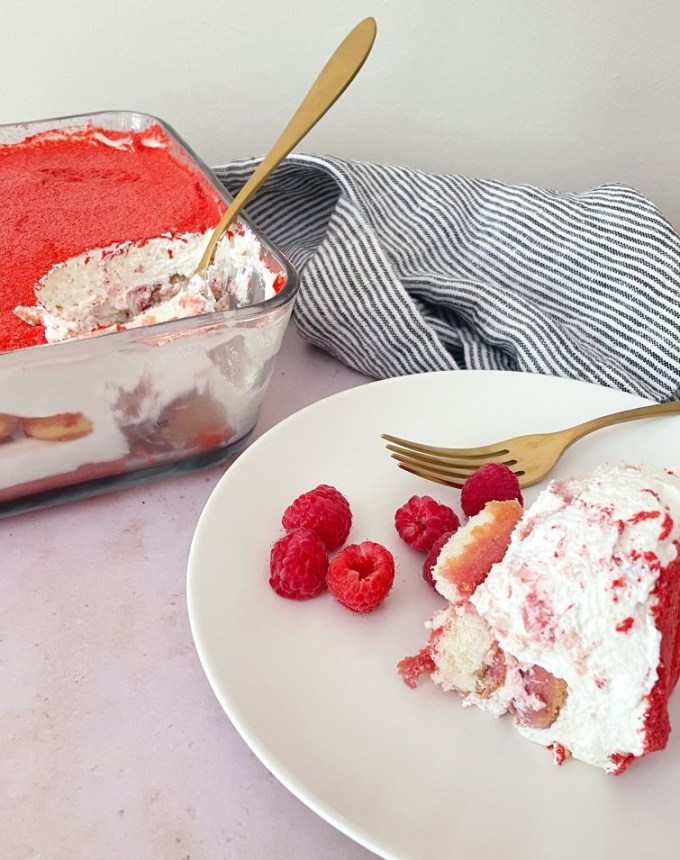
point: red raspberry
(422, 520)
(432, 557)
(298, 564)
(493, 482)
(361, 575)
(323, 509)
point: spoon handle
(333, 80)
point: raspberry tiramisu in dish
(114, 357)
(566, 615)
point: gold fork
(530, 457)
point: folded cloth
(405, 272)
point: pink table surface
(112, 742)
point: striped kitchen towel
(404, 272)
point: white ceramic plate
(313, 688)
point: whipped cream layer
(132, 284)
(575, 594)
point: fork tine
(426, 459)
(477, 453)
(446, 470)
(451, 480)
(430, 477)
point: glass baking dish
(92, 414)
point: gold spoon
(333, 80)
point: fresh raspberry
(323, 509)
(422, 520)
(432, 556)
(298, 563)
(492, 482)
(361, 575)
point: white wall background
(563, 93)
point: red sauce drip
(666, 527)
(649, 557)
(64, 193)
(621, 761)
(644, 515)
(559, 753)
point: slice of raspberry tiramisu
(574, 627)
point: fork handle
(655, 409)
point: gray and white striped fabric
(406, 272)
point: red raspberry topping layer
(66, 192)
(361, 575)
(421, 520)
(492, 482)
(667, 617)
(298, 564)
(323, 509)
